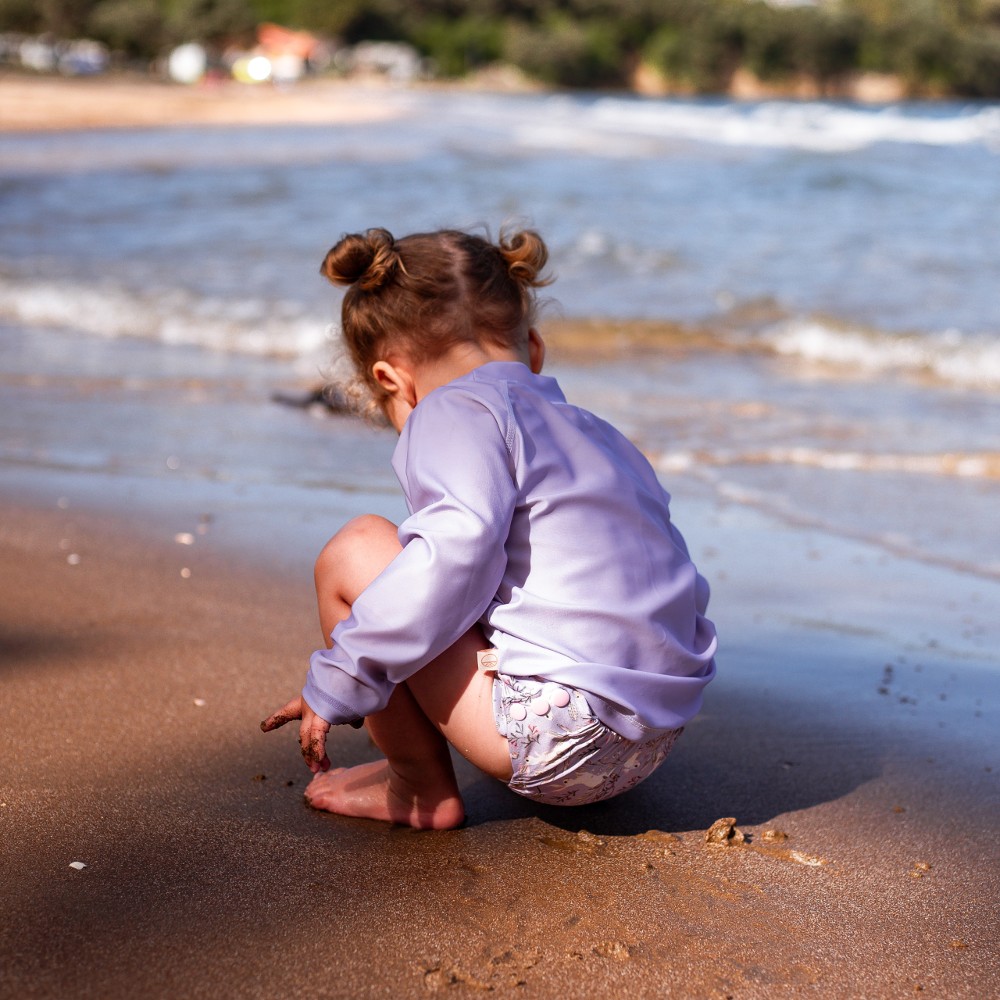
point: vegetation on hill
(936, 47)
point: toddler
(537, 610)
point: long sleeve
(454, 463)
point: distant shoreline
(39, 104)
(51, 103)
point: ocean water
(840, 265)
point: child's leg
(446, 701)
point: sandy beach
(51, 104)
(132, 693)
(149, 622)
(156, 603)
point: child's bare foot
(374, 791)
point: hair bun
(367, 259)
(526, 255)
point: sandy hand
(312, 732)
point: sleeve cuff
(333, 711)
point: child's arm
(457, 472)
(312, 732)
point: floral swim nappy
(562, 754)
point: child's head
(421, 295)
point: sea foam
(167, 316)
(815, 125)
(961, 359)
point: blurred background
(812, 47)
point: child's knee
(359, 538)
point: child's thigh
(458, 698)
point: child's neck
(406, 383)
(459, 361)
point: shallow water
(156, 285)
(875, 219)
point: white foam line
(170, 317)
(813, 125)
(961, 359)
(982, 465)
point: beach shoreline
(38, 104)
(30, 103)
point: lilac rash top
(546, 525)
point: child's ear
(397, 381)
(536, 351)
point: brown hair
(424, 293)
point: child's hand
(312, 732)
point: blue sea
(836, 265)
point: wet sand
(129, 740)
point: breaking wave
(282, 328)
(970, 465)
(812, 125)
(171, 316)
(961, 359)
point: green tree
(702, 50)
(988, 12)
(836, 44)
(215, 22)
(64, 18)
(771, 41)
(20, 16)
(800, 40)
(134, 27)
(354, 20)
(566, 52)
(458, 46)
(921, 51)
(976, 70)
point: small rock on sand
(724, 833)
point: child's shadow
(748, 756)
